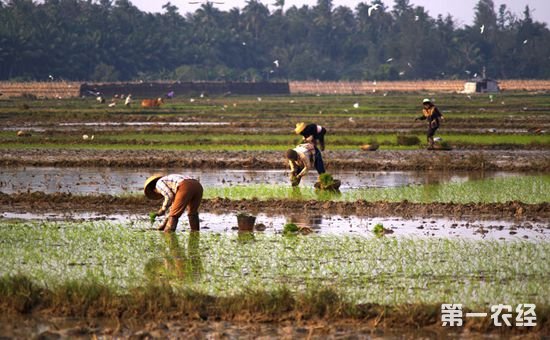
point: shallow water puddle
(114, 181)
(329, 225)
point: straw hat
(426, 101)
(149, 187)
(300, 127)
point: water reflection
(176, 262)
(308, 221)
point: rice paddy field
(409, 230)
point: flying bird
(389, 60)
(482, 29)
(276, 62)
(373, 8)
(525, 41)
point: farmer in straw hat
(312, 133)
(179, 192)
(302, 159)
(430, 113)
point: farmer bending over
(179, 192)
(302, 159)
(312, 133)
(433, 116)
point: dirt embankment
(504, 160)
(107, 204)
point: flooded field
(411, 228)
(105, 180)
(325, 225)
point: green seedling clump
(152, 217)
(326, 179)
(290, 228)
(378, 230)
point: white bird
(51, 77)
(482, 29)
(416, 18)
(259, 99)
(373, 8)
(409, 64)
(402, 73)
(475, 75)
(468, 72)
(374, 82)
(525, 41)
(389, 60)
(276, 62)
(244, 44)
(356, 105)
(85, 137)
(128, 100)
(491, 98)
(438, 139)
(351, 120)
(113, 104)
(192, 100)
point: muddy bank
(493, 160)
(107, 204)
(44, 326)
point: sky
(461, 10)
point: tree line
(114, 41)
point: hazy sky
(461, 10)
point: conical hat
(300, 127)
(149, 187)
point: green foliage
(106, 41)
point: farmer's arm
(168, 196)
(307, 164)
(438, 114)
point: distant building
(481, 85)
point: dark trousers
(318, 161)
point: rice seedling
(527, 189)
(387, 271)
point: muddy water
(328, 225)
(114, 181)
